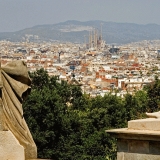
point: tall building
(95, 40)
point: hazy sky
(20, 14)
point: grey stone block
(136, 146)
(122, 145)
(154, 147)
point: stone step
(152, 124)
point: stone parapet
(151, 124)
(139, 141)
(133, 156)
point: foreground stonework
(140, 141)
(14, 88)
(10, 149)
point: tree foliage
(153, 91)
(67, 124)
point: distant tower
(59, 56)
(85, 41)
(91, 39)
(101, 31)
(95, 38)
(112, 48)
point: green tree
(141, 99)
(40, 78)
(61, 131)
(131, 105)
(67, 124)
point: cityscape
(97, 67)
(80, 80)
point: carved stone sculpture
(14, 87)
(153, 115)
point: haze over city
(19, 14)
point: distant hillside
(76, 31)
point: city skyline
(19, 14)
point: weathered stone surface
(14, 88)
(154, 114)
(10, 149)
(135, 146)
(129, 134)
(1, 115)
(135, 156)
(120, 155)
(140, 141)
(152, 124)
(138, 146)
(122, 145)
(154, 147)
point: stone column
(140, 141)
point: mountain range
(78, 32)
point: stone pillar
(140, 141)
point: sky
(20, 14)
